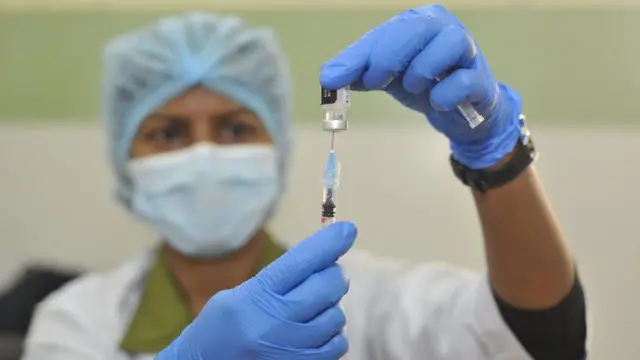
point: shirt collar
(163, 311)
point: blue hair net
(147, 68)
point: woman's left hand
(405, 55)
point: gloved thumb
(348, 66)
(315, 253)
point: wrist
(507, 169)
(175, 350)
(168, 353)
(489, 153)
(505, 159)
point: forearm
(529, 264)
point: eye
(170, 133)
(236, 131)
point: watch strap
(523, 155)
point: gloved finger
(397, 42)
(357, 86)
(462, 85)
(438, 11)
(319, 331)
(347, 67)
(315, 253)
(318, 293)
(452, 47)
(332, 350)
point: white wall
(55, 204)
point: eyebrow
(237, 111)
(234, 112)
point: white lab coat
(394, 311)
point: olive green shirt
(163, 311)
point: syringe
(335, 103)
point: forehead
(198, 100)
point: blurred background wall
(575, 63)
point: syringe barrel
(326, 221)
(328, 209)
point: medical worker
(197, 112)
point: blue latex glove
(287, 311)
(404, 55)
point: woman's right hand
(290, 310)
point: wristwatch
(481, 180)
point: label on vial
(345, 93)
(328, 96)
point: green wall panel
(572, 66)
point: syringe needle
(333, 135)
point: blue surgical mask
(207, 200)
